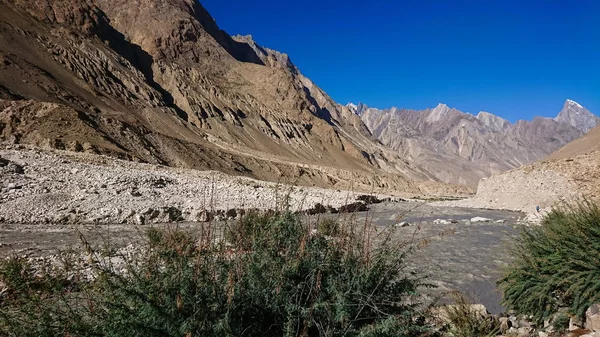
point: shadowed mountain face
(457, 147)
(158, 81)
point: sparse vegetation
(274, 278)
(328, 227)
(557, 264)
(465, 320)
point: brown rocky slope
(568, 175)
(159, 82)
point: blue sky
(517, 59)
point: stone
(543, 334)
(402, 224)
(139, 219)
(480, 219)
(441, 222)
(150, 213)
(203, 216)
(525, 331)
(592, 318)
(575, 324)
(505, 324)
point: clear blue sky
(517, 59)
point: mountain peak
(492, 121)
(357, 109)
(570, 102)
(438, 112)
(577, 116)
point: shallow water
(460, 256)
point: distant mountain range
(458, 147)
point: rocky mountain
(577, 116)
(457, 147)
(157, 81)
(568, 175)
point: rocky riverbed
(51, 187)
(49, 198)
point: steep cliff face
(457, 147)
(158, 81)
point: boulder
(203, 216)
(575, 324)
(139, 219)
(505, 324)
(480, 219)
(592, 318)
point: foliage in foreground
(556, 264)
(274, 278)
(465, 320)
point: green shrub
(328, 227)
(560, 323)
(278, 279)
(465, 320)
(556, 264)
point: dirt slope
(586, 144)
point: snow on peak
(571, 102)
(352, 106)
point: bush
(556, 264)
(465, 320)
(277, 280)
(328, 227)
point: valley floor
(49, 198)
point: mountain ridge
(473, 146)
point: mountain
(567, 175)
(158, 81)
(457, 147)
(577, 116)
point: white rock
(402, 224)
(480, 219)
(139, 219)
(592, 318)
(442, 222)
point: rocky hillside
(569, 174)
(457, 147)
(159, 82)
